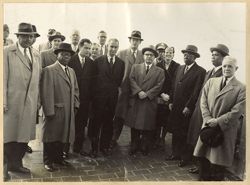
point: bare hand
(170, 106)
(165, 97)
(186, 112)
(142, 95)
(212, 122)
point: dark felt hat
(191, 49)
(221, 48)
(64, 47)
(35, 32)
(136, 35)
(56, 35)
(150, 48)
(25, 29)
(212, 136)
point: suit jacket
(108, 80)
(44, 46)
(59, 97)
(122, 104)
(185, 94)
(20, 94)
(226, 106)
(48, 57)
(142, 113)
(196, 118)
(170, 74)
(85, 77)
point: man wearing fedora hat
(47, 45)
(60, 99)
(48, 57)
(20, 101)
(187, 86)
(218, 53)
(222, 103)
(146, 81)
(130, 56)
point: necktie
(224, 83)
(67, 72)
(147, 69)
(82, 62)
(27, 57)
(133, 56)
(111, 62)
(186, 69)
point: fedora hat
(150, 48)
(212, 136)
(64, 47)
(25, 29)
(161, 45)
(191, 49)
(35, 32)
(221, 48)
(56, 35)
(136, 35)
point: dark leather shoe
(93, 154)
(29, 149)
(50, 167)
(63, 163)
(113, 144)
(83, 153)
(171, 158)
(193, 170)
(20, 169)
(106, 152)
(182, 163)
(6, 177)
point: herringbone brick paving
(117, 167)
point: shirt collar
(112, 57)
(217, 68)
(80, 57)
(132, 51)
(228, 79)
(150, 65)
(189, 66)
(63, 67)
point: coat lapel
(129, 57)
(189, 72)
(22, 58)
(227, 88)
(62, 73)
(150, 72)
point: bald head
(229, 66)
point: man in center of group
(130, 56)
(146, 81)
(109, 72)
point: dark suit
(106, 93)
(85, 76)
(185, 94)
(170, 73)
(48, 57)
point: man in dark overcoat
(218, 53)
(187, 86)
(60, 100)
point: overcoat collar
(227, 88)
(62, 73)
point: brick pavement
(118, 167)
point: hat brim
(37, 35)
(188, 51)
(59, 50)
(219, 50)
(138, 38)
(161, 48)
(151, 50)
(56, 36)
(25, 33)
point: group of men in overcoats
(143, 89)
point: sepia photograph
(124, 91)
